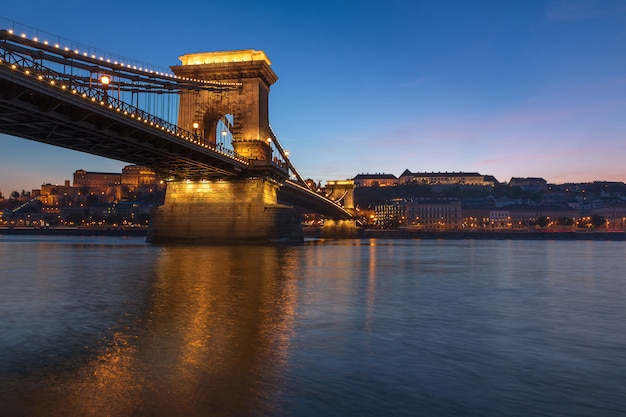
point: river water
(111, 326)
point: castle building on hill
(447, 178)
(375, 180)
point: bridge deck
(36, 110)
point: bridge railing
(53, 39)
(99, 85)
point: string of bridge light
(105, 80)
(125, 65)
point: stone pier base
(341, 229)
(224, 211)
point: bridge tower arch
(249, 104)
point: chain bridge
(202, 125)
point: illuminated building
(434, 213)
(83, 178)
(420, 213)
(614, 214)
(56, 195)
(447, 178)
(375, 180)
(137, 177)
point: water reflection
(341, 328)
(213, 338)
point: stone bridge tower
(247, 105)
(341, 191)
(241, 209)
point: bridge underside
(298, 195)
(35, 111)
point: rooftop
(243, 55)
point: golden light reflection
(231, 320)
(217, 333)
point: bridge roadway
(42, 110)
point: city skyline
(509, 90)
(362, 177)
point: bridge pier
(224, 211)
(340, 229)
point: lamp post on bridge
(223, 141)
(105, 80)
(269, 143)
(195, 130)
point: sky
(509, 88)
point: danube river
(112, 326)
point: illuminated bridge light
(36, 39)
(56, 45)
(11, 31)
(24, 35)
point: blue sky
(505, 88)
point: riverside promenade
(496, 234)
(617, 235)
(74, 231)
